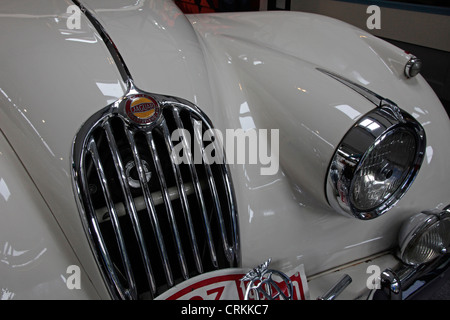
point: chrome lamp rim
(354, 148)
(416, 227)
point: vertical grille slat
(129, 204)
(168, 204)
(151, 210)
(116, 226)
(198, 191)
(213, 189)
(224, 177)
(185, 204)
(152, 221)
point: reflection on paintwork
(429, 153)
(251, 213)
(82, 40)
(363, 242)
(22, 113)
(420, 110)
(111, 91)
(4, 191)
(246, 118)
(358, 77)
(317, 135)
(268, 213)
(19, 258)
(6, 294)
(349, 111)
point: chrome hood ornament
(264, 283)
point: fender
(35, 255)
(263, 69)
(54, 79)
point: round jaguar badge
(142, 109)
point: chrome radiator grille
(153, 222)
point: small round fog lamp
(425, 237)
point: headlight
(424, 237)
(375, 163)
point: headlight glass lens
(426, 241)
(384, 169)
(375, 163)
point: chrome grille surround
(178, 222)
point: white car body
(244, 70)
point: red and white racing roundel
(226, 284)
(142, 109)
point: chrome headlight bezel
(355, 147)
(424, 237)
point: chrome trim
(198, 192)
(337, 289)
(150, 206)
(415, 227)
(212, 186)
(168, 204)
(366, 93)
(262, 284)
(92, 217)
(413, 67)
(404, 282)
(117, 57)
(391, 284)
(350, 153)
(376, 99)
(193, 197)
(131, 291)
(129, 203)
(182, 191)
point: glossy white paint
(34, 253)
(245, 70)
(262, 67)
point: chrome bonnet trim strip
(117, 57)
(366, 93)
